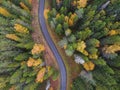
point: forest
(22, 63)
(89, 31)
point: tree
(54, 4)
(55, 75)
(67, 3)
(111, 40)
(60, 18)
(82, 35)
(65, 25)
(80, 12)
(59, 29)
(63, 10)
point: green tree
(59, 29)
(67, 3)
(63, 10)
(54, 4)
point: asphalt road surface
(63, 74)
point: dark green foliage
(104, 78)
(22, 57)
(6, 45)
(65, 25)
(111, 40)
(92, 42)
(63, 10)
(58, 29)
(31, 86)
(116, 62)
(110, 56)
(15, 78)
(80, 13)
(82, 35)
(79, 84)
(67, 3)
(54, 12)
(6, 22)
(8, 54)
(9, 64)
(54, 3)
(100, 62)
(92, 50)
(25, 45)
(60, 19)
(55, 75)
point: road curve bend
(63, 74)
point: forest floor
(39, 38)
(72, 68)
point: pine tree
(7, 45)
(22, 57)
(93, 42)
(54, 3)
(15, 78)
(31, 86)
(8, 54)
(67, 3)
(82, 35)
(58, 29)
(79, 84)
(111, 40)
(6, 23)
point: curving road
(63, 74)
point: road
(63, 74)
